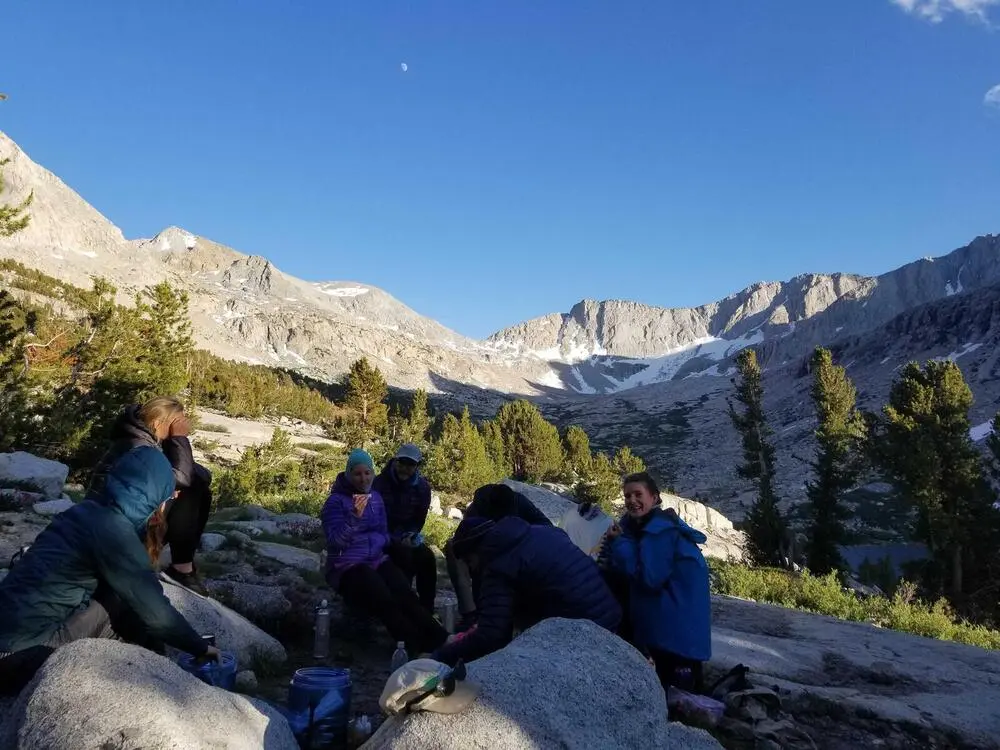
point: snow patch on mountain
(981, 431)
(336, 290)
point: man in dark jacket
(529, 574)
(88, 574)
(493, 502)
(407, 497)
(161, 423)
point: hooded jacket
(497, 501)
(530, 573)
(406, 503)
(130, 432)
(351, 540)
(96, 541)
(669, 597)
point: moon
(404, 67)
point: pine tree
(926, 451)
(532, 444)
(838, 436)
(625, 462)
(165, 334)
(418, 422)
(366, 395)
(577, 447)
(601, 484)
(13, 218)
(993, 446)
(765, 527)
(495, 449)
(15, 413)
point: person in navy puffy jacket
(407, 497)
(529, 573)
(667, 587)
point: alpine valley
(655, 378)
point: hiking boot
(188, 580)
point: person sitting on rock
(529, 574)
(407, 497)
(357, 534)
(162, 423)
(668, 603)
(90, 574)
(493, 502)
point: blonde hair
(160, 409)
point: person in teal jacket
(669, 603)
(89, 575)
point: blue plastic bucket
(319, 701)
(221, 674)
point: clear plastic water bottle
(399, 657)
(321, 640)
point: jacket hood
(390, 475)
(137, 484)
(505, 534)
(663, 520)
(129, 426)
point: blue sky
(534, 153)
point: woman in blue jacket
(90, 574)
(669, 602)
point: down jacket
(406, 503)
(96, 541)
(351, 540)
(531, 573)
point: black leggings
(186, 520)
(385, 593)
(105, 617)
(417, 562)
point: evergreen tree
(13, 218)
(625, 462)
(577, 447)
(764, 525)
(993, 446)
(165, 334)
(418, 423)
(365, 402)
(531, 444)
(495, 449)
(838, 436)
(601, 484)
(458, 459)
(927, 453)
(15, 413)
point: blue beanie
(359, 457)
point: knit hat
(359, 457)
(469, 535)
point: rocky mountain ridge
(615, 345)
(654, 378)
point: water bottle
(321, 642)
(399, 657)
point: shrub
(438, 530)
(209, 427)
(826, 596)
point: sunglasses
(407, 462)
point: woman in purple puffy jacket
(357, 533)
